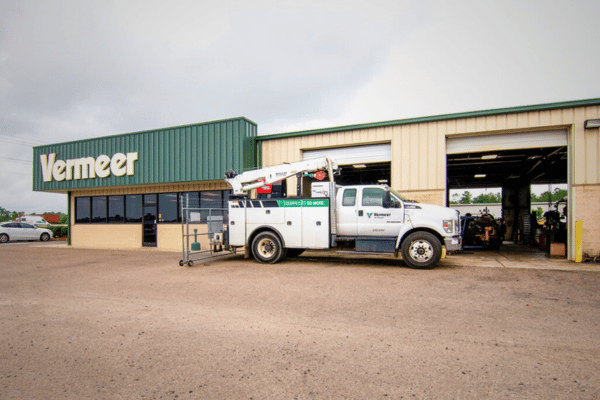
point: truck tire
(267, 248)
(421, 250)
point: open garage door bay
(368, 164)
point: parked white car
(10, 231)
(33, 220)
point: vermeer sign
(119, 164)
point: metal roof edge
(441, 117)
(150, 130)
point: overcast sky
(72, 70)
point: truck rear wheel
(421, 250)
(267, 248)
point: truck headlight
(448, 225)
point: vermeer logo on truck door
(87, 167)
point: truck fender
(406, 227)
(263, 228)
(409, 227)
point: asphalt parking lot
(79, 323)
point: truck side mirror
(387, 200)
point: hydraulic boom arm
(244, 182)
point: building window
(168, 208)
(99, 205)
(190, 199)
(82, 210)
(116, 209)
(133, 208)
(226, 196)
(129, 208)
(210, 199)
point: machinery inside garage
(474, 162)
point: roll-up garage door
(373, 153)
(506, 141)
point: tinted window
(168, 207)
(191, 199)
(372, 197)
(82, 210)
(226, 196)
(116, 208)
(211, 199)
(349, 198)
(99, 209)
(133, 208)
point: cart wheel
(190, 263)
(181, 263)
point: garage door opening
(359, 165)
(477, 165)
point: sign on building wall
(87, 167)
(190, 153)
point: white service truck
(365, 219)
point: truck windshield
(395, 196)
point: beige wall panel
(449, 126)
(432, 149)
(461, 125)
(545, 119)
(169, 237)
(591, 157)
(401, 142)
(471, 124)
(523, 120)
(482, 123)
(511, 121)
(413, 148)
(586, 206)
(422, 160)
(109, 236)
(437, 197)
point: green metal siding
(199, 152)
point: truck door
(379, 213)
(347, 213)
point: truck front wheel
(421, 250)
(267, 248)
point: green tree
(547, 196)
(488, 198)
(467, 198)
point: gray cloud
(72, 70)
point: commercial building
(422, 158)
(124, 191)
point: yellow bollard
(578, 241)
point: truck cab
(377, 219)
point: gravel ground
(133, 324)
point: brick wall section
(587, 209)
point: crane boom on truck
(364, 219)
(243, 183)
